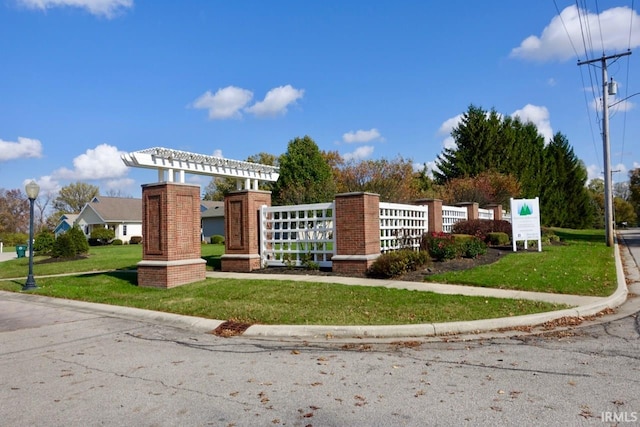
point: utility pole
(608, 191)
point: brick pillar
(357, 232)
(472, 209)
(435, 213)
(497, 211)
(242, 229)
(171, 252)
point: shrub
(392, 264)
(102, 235)
(440, 246)
(217, 239)
(13, 239)
(43, 242)
(481, 227)
(80, 244)
(63, 247)
(472, 247)
(116, 242)
(135, 240)
(497, 238)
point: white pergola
(173, 164)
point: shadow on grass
(214, 262)
(596, 236)
(127, 276)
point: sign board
(525, 221)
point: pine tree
(564, 200)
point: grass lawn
(584, 265)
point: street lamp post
(32, 190)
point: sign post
(525, 221)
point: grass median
(291, 302)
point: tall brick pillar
(497, 211)
(435, 213)
(242, 229)
(472, 209)
(171, 253)
(357, 232)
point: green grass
(99, 258)
(584, 265)
(282, 302)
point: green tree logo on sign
(525, 209)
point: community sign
(525, 221)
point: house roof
(213, 209)
(116, 209)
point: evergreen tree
(564, 198)
(485, 141)
(634, 190)
(305, 175)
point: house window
(124, 230)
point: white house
(121, 214)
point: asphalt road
(71, 367)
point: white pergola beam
(181, 162)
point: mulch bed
(493, 254)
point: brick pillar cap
(356, 193)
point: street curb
(202, 325)
(450, 328)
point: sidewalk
(583, 306)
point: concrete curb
(202, 325)
(450, 328)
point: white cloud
(217, 153)
(608, 31)
(24, 148)
(48, 185)
(539, 116)
(119, 184)
(359, 153)
(106, 8)
(619, 168)
(226, 103)
(276, 101)
(361, 136)
(593, 172)
(446, 128)
(103, 162)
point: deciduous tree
(305, 176)
(73, 197)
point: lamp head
(32, 190)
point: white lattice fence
(451, 215)
(402, 226)
(485, 213)
(295, 235)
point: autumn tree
(305, 176)
(486, 188)
(14, 211)
(394, 180)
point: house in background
(121, 214)
(64, 224)
(212, 219)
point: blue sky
(83, 81)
